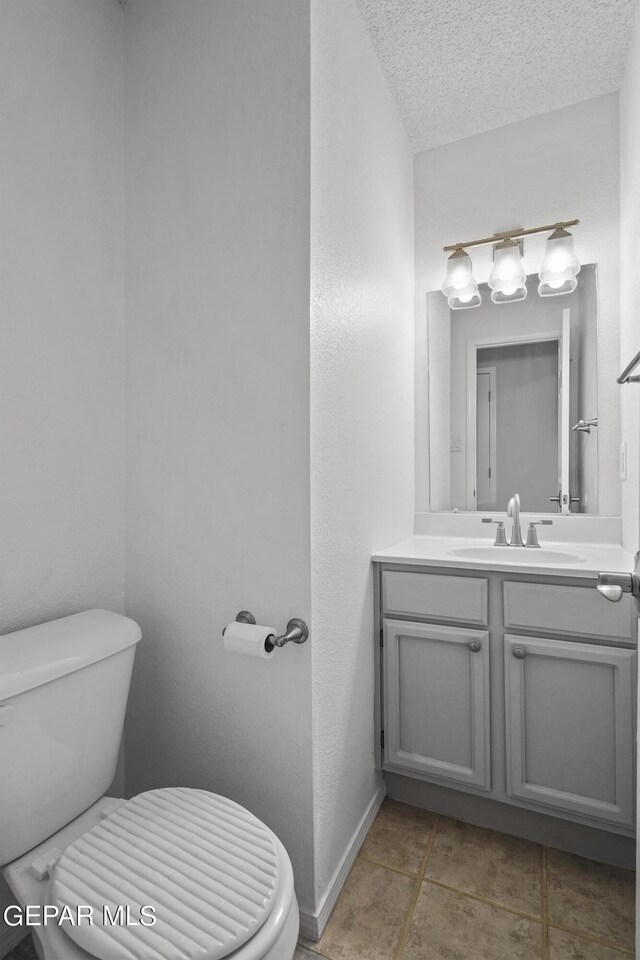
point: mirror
(513, 401)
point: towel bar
(625, 376)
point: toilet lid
(206, 865)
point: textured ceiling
(459, 67)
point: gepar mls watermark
(41, 915)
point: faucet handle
(501, 537)
(532, 533)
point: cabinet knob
(519, 653)
(475, 646)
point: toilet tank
(63, 695)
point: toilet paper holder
(297, 631)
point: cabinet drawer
(462, 599)
(555, 609)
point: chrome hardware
(519, 653)
(475, 646)
(584, 426)
(513, 510)
(501, 537)
(532, 533)
(297, 632)
(625, 376)
(613, 585)
(564, 499)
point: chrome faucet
(513, 511)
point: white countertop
(591, 558)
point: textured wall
(630, 284)
(560, 165)
(361, 402)
(61, 421)
(217, 199)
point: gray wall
(217, 298)
(61, 403)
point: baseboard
(312, 924)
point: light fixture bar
(512, 235)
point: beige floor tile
(399, 836)
(367, 920)
(488, 864)
(592, 898)
(566, 946)
(450, 926)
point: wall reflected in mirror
(508, 385)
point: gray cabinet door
(436, 701)
(569, 717)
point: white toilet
(219, 881)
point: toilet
(216, 881)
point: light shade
(460, 287)
(465, 301)
(507, 281)
(560, 265)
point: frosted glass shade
(460, 287)
(560, 265)
(507, 281)
(465, 301)
(555, 288)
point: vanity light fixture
(508, 280)
(460, 287)
(560, 266)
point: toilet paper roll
(248, 638)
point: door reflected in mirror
(508, 383)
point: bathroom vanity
(507, 679)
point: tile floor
(428, 888)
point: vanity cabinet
(516, 687)
(437, 700)
(569, 726)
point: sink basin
(526, 555)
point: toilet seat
(211, 870)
